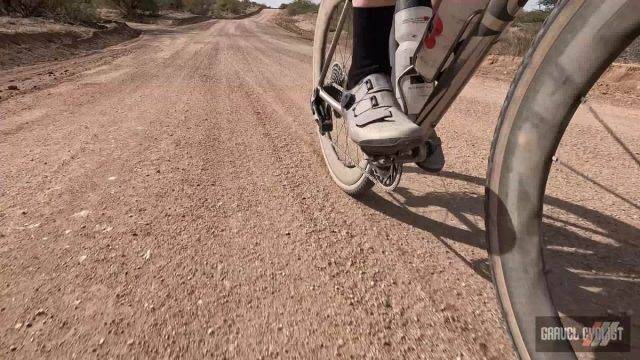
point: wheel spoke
(585, 102)
(348, 152)
(342, 155)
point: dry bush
(298, 7)
(133, 8)
(5, 5)
(26, 8)
(199, 7)
(83, 11)
(516, 40)
(229, 6)
(64, 10)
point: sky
(272, 3)
(532, 4)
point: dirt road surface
(167, 198)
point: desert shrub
(64, 10)
(530, 17)
(132, 8)
(298, 7)
(199, 7)
(5, 6)
(169, 4)
(148, 6)
(229, 6)
(516, 40)
(26, 8)
(83, 11)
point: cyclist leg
(373, 115)
(372, 20)
(377, 124)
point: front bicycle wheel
(332, 50)
(576, 45)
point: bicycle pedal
(321, 113)
(415, 154)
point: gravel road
(167, 199)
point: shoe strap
(372, 85)
(371, 101)
(372, 115)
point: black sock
(371, 29)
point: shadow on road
(593, 258)
(458, 204)
(165, 31)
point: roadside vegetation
(519, 37)
(299, 7)
(217, 8)
(62, 10)
(296, 15)
(40, 31)
(86, 11)
(517, 40)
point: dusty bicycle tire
(576, 45)
(351, 179)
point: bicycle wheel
(576, 45)
(345, 161)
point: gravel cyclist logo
(602, 333)
(588, 334)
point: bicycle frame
(473, 42)
(481, 30)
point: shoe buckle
(368, 84)
(374, 102)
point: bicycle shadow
(456, 203)
(593, 258)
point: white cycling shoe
(375, 121)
